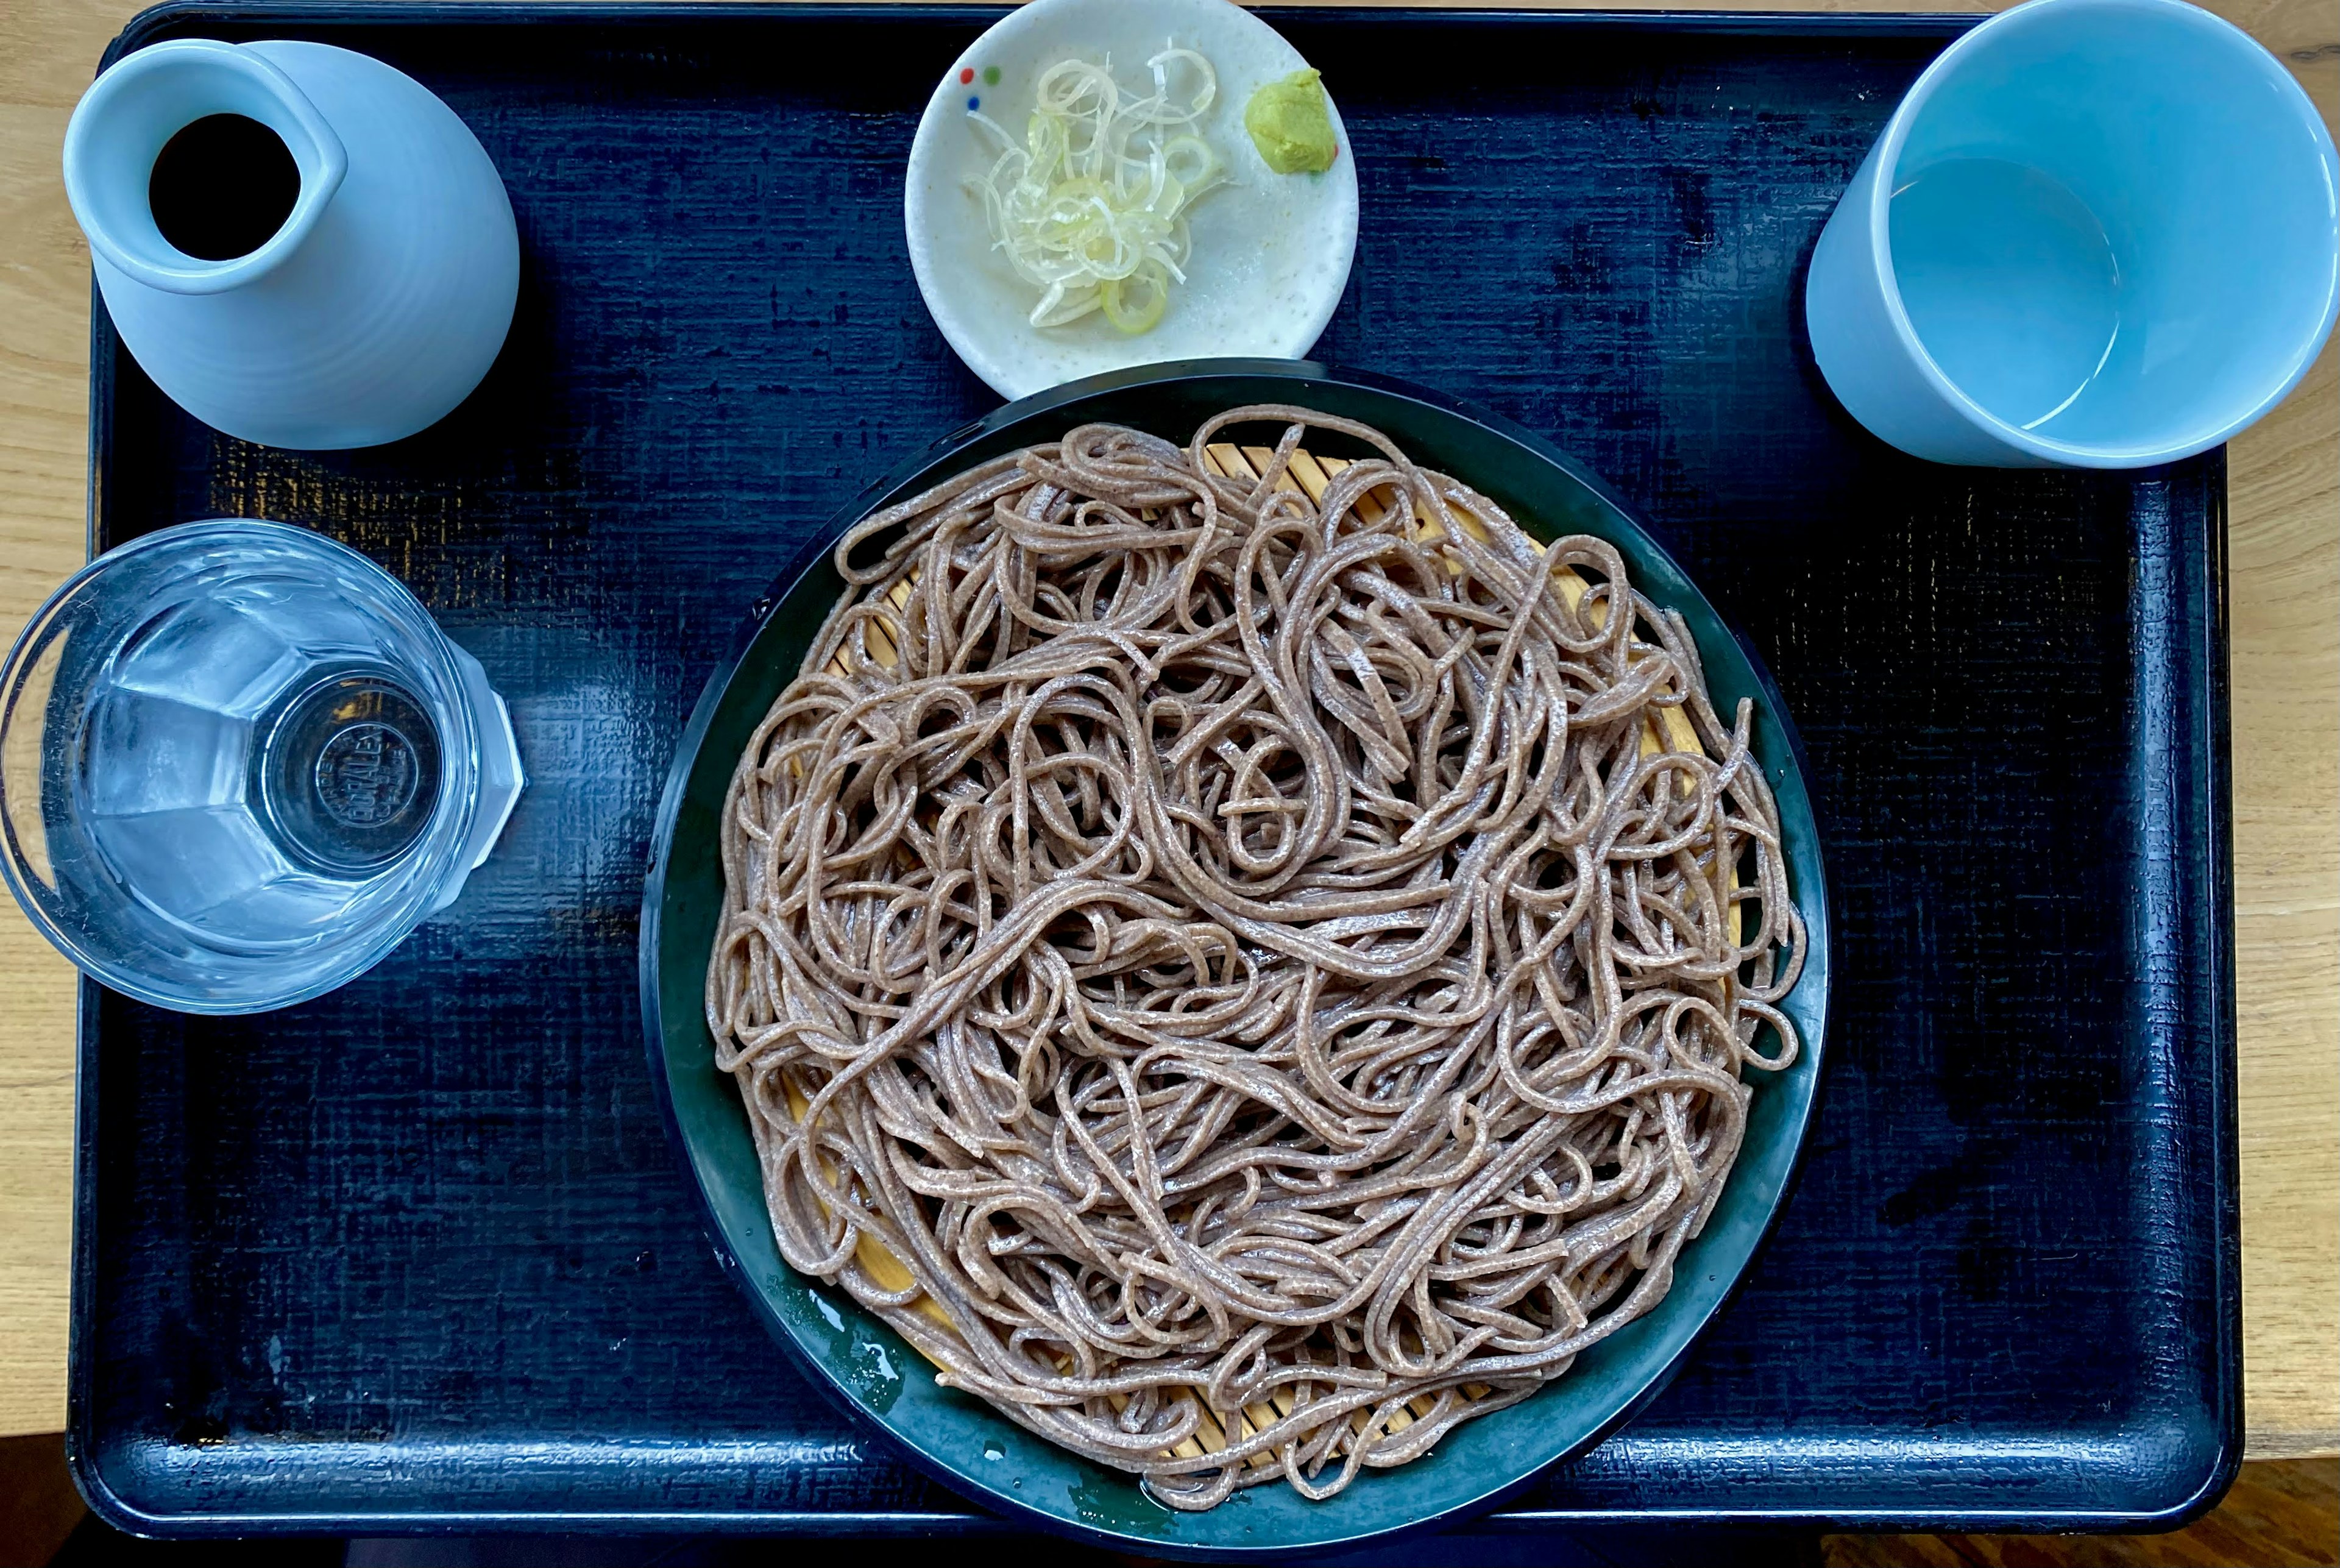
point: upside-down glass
(241, 763)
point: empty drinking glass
(241, 763)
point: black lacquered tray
(417, 1255)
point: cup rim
(2216, 32)
(402, 917)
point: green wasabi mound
(1292, 125)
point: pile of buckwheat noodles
(1242, 957)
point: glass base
(501, 776)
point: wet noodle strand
(1246, 970)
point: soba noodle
(1243, 983)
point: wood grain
(2285, 587)
(2285, 598)
(52, 50)
(2278, 1515)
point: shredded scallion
(1090, 207)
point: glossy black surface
(416, 1253)
(222, 187)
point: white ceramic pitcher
(372, 311)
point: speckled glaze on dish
(861, 1362)
(1271, 252)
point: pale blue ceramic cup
(2102, 234)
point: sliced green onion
(1135, 302)
(1089, 206)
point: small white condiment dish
(1271, 252)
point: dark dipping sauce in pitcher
(222, 187)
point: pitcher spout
(124, 121)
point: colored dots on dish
(973, 104)
(965, 74)
(991, 75)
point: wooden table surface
(2285, 495)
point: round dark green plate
(959, 1439)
